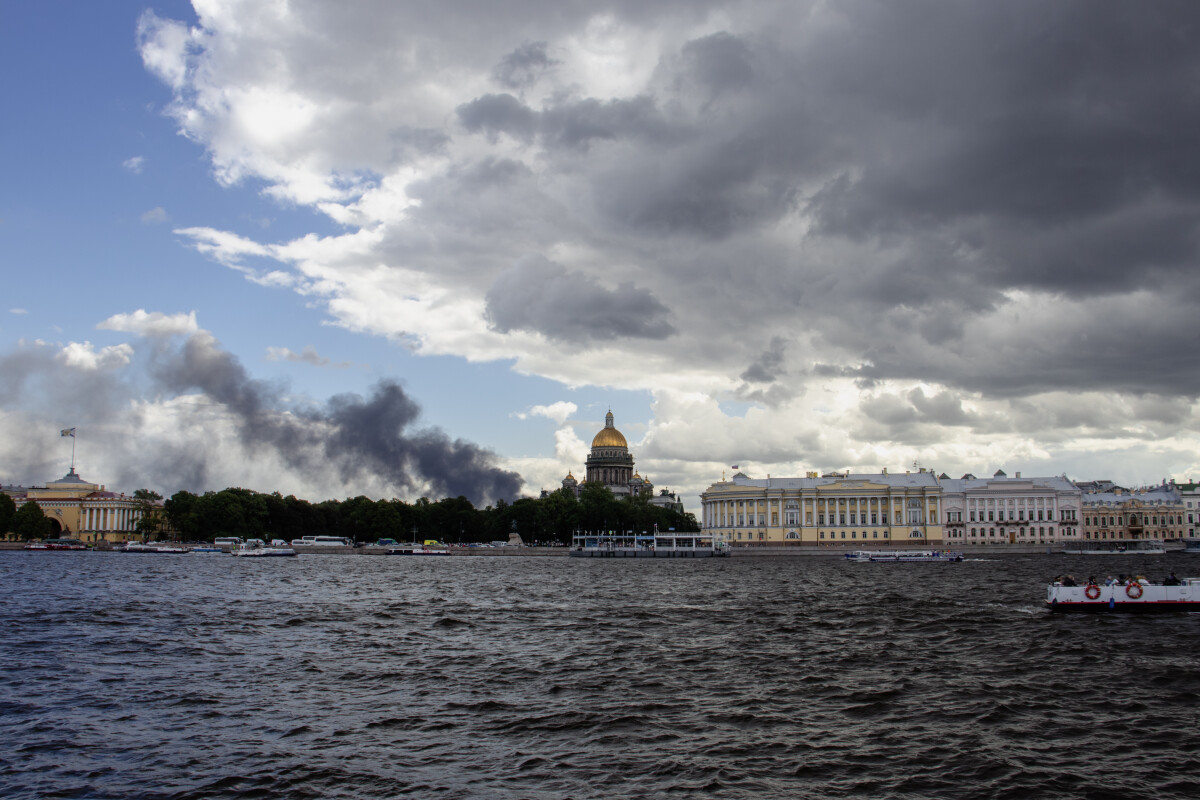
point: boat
(644, 545)
(206, 549)
(160, 548)
(257, 548)
(1191, 545)
(57, 544)
(1137, 595)
(417, 549)
(913, 556)
(1114, 547)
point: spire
(608, 419)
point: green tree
(150, 512)
(7, 509)
(183, 513)
(30, 522)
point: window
(843, 534)
(842, 521)
(991, 516)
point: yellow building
(81, 510)
(1154, 513)
(835, 509)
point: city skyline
(334, 250)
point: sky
(419, 249)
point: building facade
(78, 509)
(1001, 510)
(1155, 513)
(834, 509)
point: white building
(1001, 510)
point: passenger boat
(206, 549)
(914, 556)
(658, 545)
(257, 548)
(1135, 595)
(1114, 547)
(417, 549)
(159, 548)
(57, 544)
(1191, 545)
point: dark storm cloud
(538, 295)
(524, 66)
(357, 437)
(769, 365)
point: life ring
(1092, 592)
(1134, 590)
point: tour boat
(417, 549)
(257, 548)
(1115, 547)
(1191, 545)
(913, 556)
(57, 544)
(658, 545)
(161, 548)
(1134, 595)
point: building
(81, 510)
(1190, 494)
(838, 508)
(1154, 513)
(1001, 510)
(610, 464)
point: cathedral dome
(610, 436)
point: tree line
(549, 519)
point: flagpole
(72, 451)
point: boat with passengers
(257, 548)
(152, 548)
(645, 545)
(906, 556)
(1133, 594)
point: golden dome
(610, 436)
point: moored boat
(913, 556)
(1115, 547)
(257, 548)
(417, 549)
(153, 548)
(1191, 545)
(658, 545)
(1136, 595)
(57, 544)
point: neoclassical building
(836, 508)
(610, 464)
(1155, 513)
(78, 509)
(1001, 510)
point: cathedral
(611, 464)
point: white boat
(1191, 545)
(417, 549)
(153, 548)
(257, 548)
(1115, 547)
(644, 545)
(913, 556)
(1134, 595)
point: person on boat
(1121, 580)
(1091, 580)
(1171, 580)
(1057, 580)
(1110, 580)
(1069, 580)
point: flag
(67, 432)
(733, 467)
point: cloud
(308, 355)
(155, 216)
(152, 324)
(134, 164)
(560, 412)
(539, 295)
(815, 208)
(82, 355)
(18, 311)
